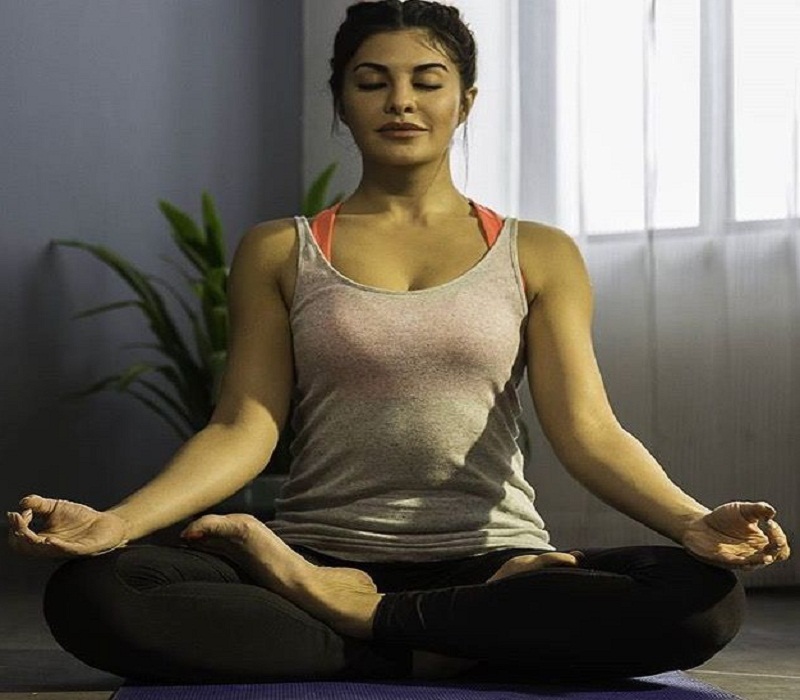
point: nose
(400, 100)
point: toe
(207, 526)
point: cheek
(449, 113)
(357, 109)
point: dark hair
(442, 22)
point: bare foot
(345, 599)
(531, 562)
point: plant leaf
(153, 306)
(107, 307)
(98, 386)
(187, 309)
(215, 242)
(178, 268)
(168, 400)
(131, 374)
(182, 433)
(190, 239)
(194, 391)
(314, 201)
(191, 376)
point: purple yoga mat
(665, 686)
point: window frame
(717, 186)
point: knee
(701, 610)
(71, 604)
(707, 631)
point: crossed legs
(251, 609)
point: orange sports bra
(322, 225)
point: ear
(467, 101)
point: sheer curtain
(664, 137)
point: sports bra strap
(491, 222)
(322, 227)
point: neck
(407, 193)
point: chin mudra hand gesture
(738, 535)
(56, 528)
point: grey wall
(108, 106)
(321, 19)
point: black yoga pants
(175, 614)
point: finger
(39, 504)
(13, 519)
(759, 559)
(784, 554)
(29, 547)
(753, 512)
(779, 543)
(21, 529)
(738, 557)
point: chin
(401, 159)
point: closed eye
(378, 86)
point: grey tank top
(406, 414)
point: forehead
(401, 49)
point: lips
(400, 126)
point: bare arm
(571, 402)
(239, 438)
(575, 414)
(254, 399)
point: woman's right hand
(67, 529)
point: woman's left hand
(737, 535)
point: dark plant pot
(257, 498)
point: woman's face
(400, 77)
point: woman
(406, 541)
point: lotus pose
(405, 542)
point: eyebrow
(384, 69)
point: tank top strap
(491, 224)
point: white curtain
(663, 135)
(672, 158)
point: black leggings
(174, 614)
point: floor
(762, 663)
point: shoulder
(537, 241)
(269, 238)
(268, 244)
(265, 257)
(549, 257)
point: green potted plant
(180, 378)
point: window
(649, 92)
(766, 63)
